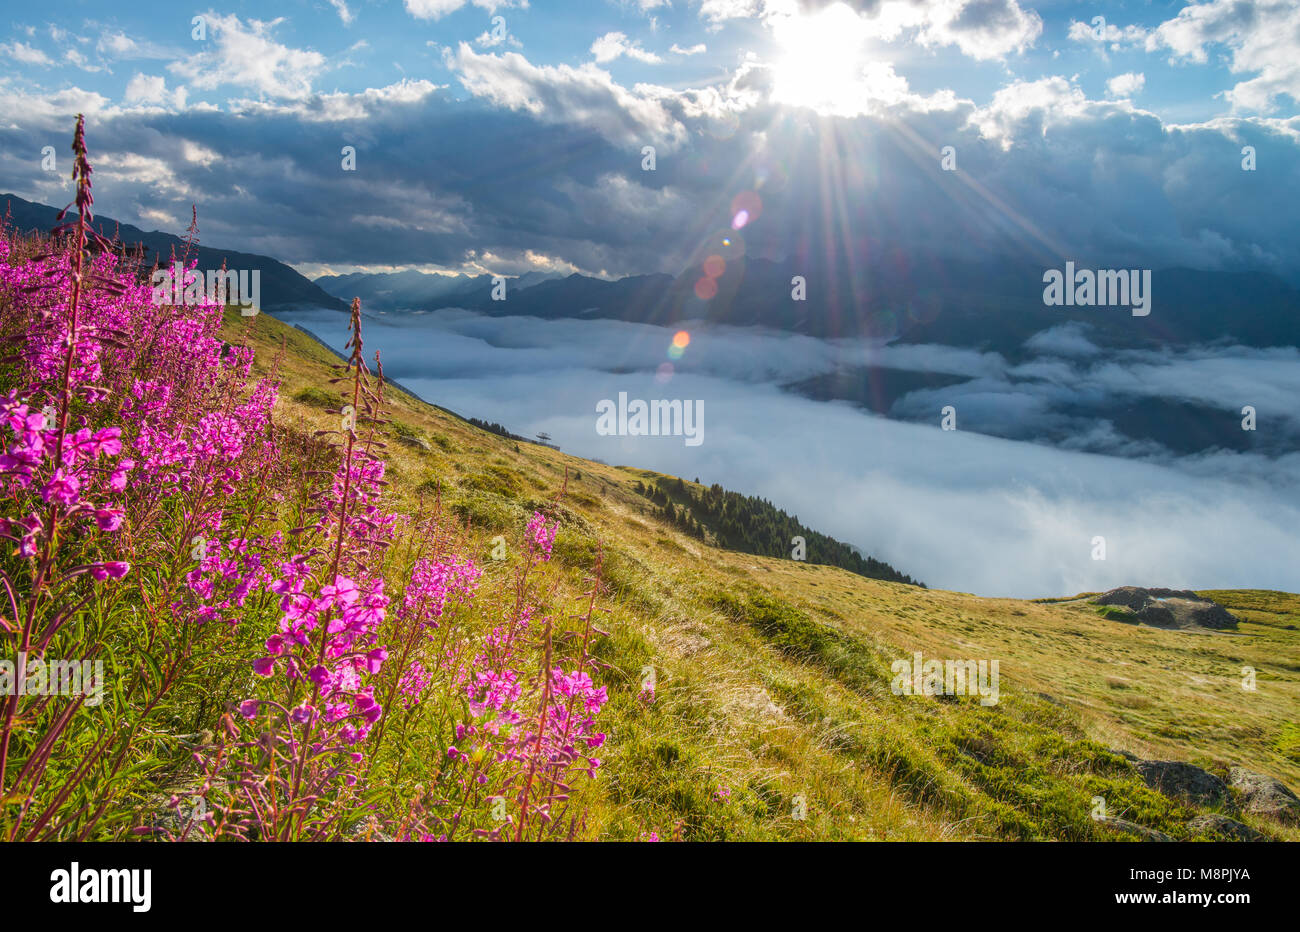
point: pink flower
(541, 536)
(62, 489)
(108, 519)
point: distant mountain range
(412, 290)
(282, 287)
(996, 305)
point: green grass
(774, 675)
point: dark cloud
(550, 169)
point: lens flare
(681, 338)
(714, 266)
(745, 208)
(706, 289)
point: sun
(821, 61)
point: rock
(1124, 825)
(1177, 778)
(418, 442)
(1265, 796)
(1169, 608)
(1223, 826)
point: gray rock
(1265, 796)
(1224, 827)
(418, 442)
(1124, 825)
(1169, 608)
(1178, 778)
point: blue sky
(515, 144)
(397, 41)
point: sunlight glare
(821, 61)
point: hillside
(282, 287)
(772, 676)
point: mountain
(993, 305)
(412, 290)
(282, 287)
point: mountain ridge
(282, 287)
(929, 299)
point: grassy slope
(773, 675)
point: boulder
(1224, 827)
(1188, 782)
(1169, 608)
(1145, 833)
(418, 442)
(1265, 796)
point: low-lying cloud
(958, 509)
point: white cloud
(346, 16)
(613, 44)
(437, 9)
(698, 49)
(1262, 35)
(980, 29)
(585, 96)
(245, 55)
(152, 89)
(1126, 85)
(1069, 339)
(718, 11)
(1115, 37)
(25, 54)
(341, 106)
(119, 46)
(1052, 97)
(76, 59)
(432, 9)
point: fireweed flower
(165, 431)
(541, 536)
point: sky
(510, 136)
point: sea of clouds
(957, 509)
